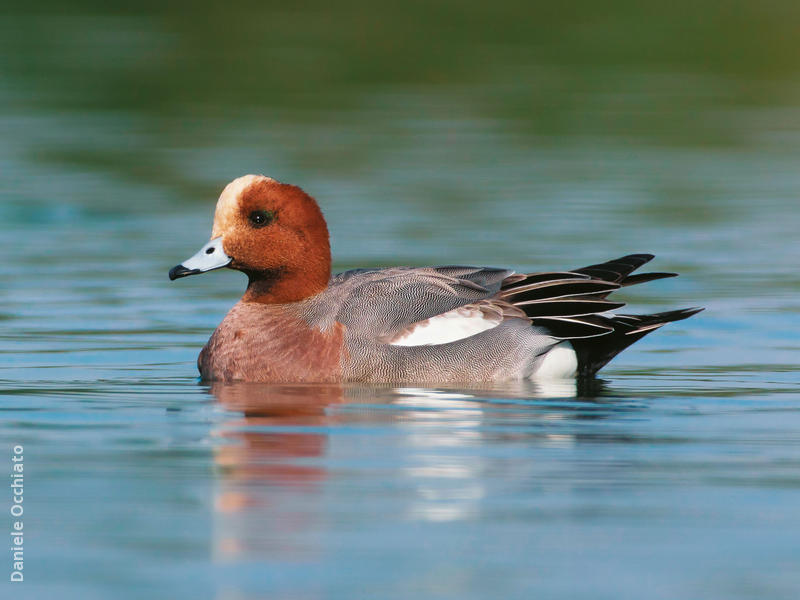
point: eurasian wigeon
(297, 323)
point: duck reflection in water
(285, 447)
(259, 456)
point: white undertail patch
(559, 363)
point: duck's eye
(260, 218)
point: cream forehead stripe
(228, 201)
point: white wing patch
(453, 325)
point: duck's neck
(283, 285)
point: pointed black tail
(573, 305)
(594, 353)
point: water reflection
(255, 460)
(281, 449)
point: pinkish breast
(270, 343)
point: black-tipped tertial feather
(572, 305)
(616, 270)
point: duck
(298, 323)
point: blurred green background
(188, 96)
(583, 116)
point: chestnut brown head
(274, 232)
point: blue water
(521, 139)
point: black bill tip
(179, 271)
